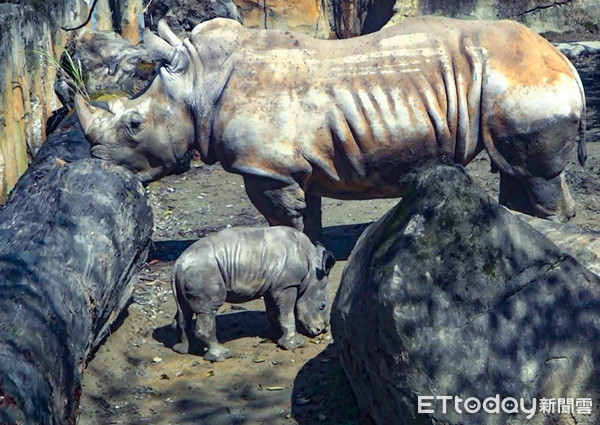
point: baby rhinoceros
(242, 264)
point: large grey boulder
(581, 243)
(450, 294)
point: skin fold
(301, 118)
(242, 264)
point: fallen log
(72, 237)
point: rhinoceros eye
(134, 123)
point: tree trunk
(73, 234)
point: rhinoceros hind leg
(183, 327)
(206, 331)
(543, 154)
(513, 195)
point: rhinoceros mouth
(100, 152)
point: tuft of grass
(590, 26)
(72, 72)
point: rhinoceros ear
(158, 49)
(327, 260)
(165, 32)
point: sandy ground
(135, 378)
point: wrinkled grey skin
(242, 264)
(301, 118)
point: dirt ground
(135, 378)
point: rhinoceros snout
(100, 152)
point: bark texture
(72, 237)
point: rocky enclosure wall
(319, 18)
(28, 27)
(543, 16)
(349, 18)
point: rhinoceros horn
(85, 112)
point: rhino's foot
(182, 347)
(291, 343)
(217, 354)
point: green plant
(590, 26)
(66, 67)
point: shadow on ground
(322, 394)
(230, 326)
(338, 239)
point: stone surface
(451, 294)
(184, 15)
(111, 64)
(73, 235)
(583, 244)
(31, 40)
(321, 19)
(543, 16)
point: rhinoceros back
(251, 260)
(355, 115)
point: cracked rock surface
(449, 294)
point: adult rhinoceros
(301, 118)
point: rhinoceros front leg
(183, 325)
(313, 227)
(285, 204)
(283, 301)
